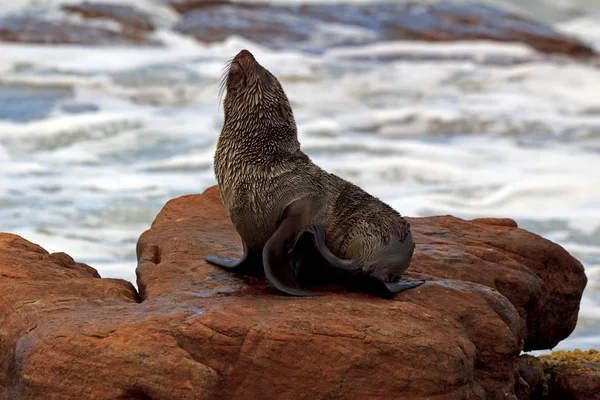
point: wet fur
(261, 170)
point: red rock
(561, 375)
(530, 379)
(303, 25)
(574, 375)
(539, 277)
(496, 221)
(203, 333)
(38, 290)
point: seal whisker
(223, 81)
(228, 63)
(221, 93)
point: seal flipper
(400, 285)
(244, 264)
(317, 234)
(282, 265)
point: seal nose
(243, 54)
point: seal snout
(242, 65)
(244, 56)
(235, 68)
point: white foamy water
(94, 141)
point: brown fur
(261, 170)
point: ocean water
(94, 141)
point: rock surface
(318, 26)
(573, 375)
(539, 278)
(197, 332)
(531, 379)
(561, 375)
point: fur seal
(283, 205)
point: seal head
(254, 92)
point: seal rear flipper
(245, 264)
(282, 264)
(317, 234)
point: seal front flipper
(282, 264)
(389, 289)
(244, 264)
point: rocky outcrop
(197, 332)
(531, 381)
(539, 278)
(561, 375)
(573, 375)
(318, 26)
(32, 30)
(40, 292)
(313, 27)
(134, 27)
(128, 17)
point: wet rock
(31, 30)
(216, 21)
(541, 279)
(183, 6)
(201, 333)
(37, 290)
(317, 26)
(128, 17)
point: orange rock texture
(197, 332)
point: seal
(290, 214)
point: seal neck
(260, 135)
